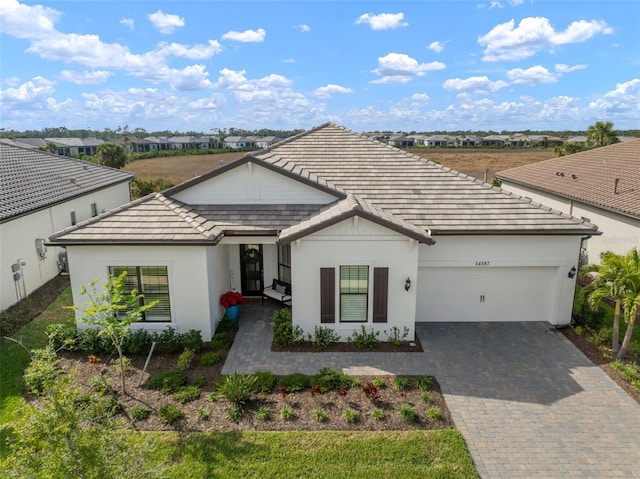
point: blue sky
(366, 65)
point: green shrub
(140, 413)
(209, 358)
(186, 394)
(138, 342)
(427, 398)
(102, 408)
(92, 342)
(7, 324)
(62, 336)
(323, 336)
(200, 382)
(294, 382)
(221, 340)
(379, 383)
(377, 414)
(423, 383)
(351, 415)
(434, 413)
(320, 415)
(265, 381)
(236, 388)
(395, 337)
(226, 325)
(331, 380)
(170, 414)
(287, 413)
(284, 332)
(100, 384)
(263, 413)
(401, 383)
(192, 339)
(42, 371)
(167, 381)
(202, 414)
(186, 358)
(167, 341)
(364, 339)
(408, 413)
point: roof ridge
(180, 209)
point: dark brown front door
(251, 269)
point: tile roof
(401, 191)
(589, 177)
(420, 192)
(33, 179)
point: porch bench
(279, 291)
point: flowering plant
(231, 298)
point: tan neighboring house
(601, 185)
(41, 193)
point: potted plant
(231, 301)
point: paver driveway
(528, 403)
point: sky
(366, 65)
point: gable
(249, 183)
(356, 228)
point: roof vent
(574, 177)
(615, 186)
(559, 173)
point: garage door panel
(484, 294)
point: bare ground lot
(470, 161)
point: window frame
(94, 209)
(284, 263)
(146, 289)
(362, 274)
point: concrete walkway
(528, 403)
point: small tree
(632, 297)
(111, 154)
(601, 133)
(114, 311)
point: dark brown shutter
(380, 294)
(327, 295)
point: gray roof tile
(32, 179)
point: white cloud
(248, 36)
(329, 90)
(94, 77)
(495, 4)
(562, 68)
(401, 68)
(165, 22)
(420, 97)
(35, 89)
(193, 77)
(508, 42)
(127, 22)
(303, 28)
(623, 100)
(382, 21)
(195, 52)
(479, 84)
(288, 60)
(436, 46)
(536, 75)
(24, 21)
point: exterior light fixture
(407, 284)
(572, 272)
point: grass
(14, 359)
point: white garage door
(485, 294)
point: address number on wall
(483, 263)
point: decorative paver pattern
(528, 403)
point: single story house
(43, 193)
(601, 185)
(364, 234)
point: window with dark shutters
(380, 294)
(327, 295)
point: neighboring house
(75, 146)
(601, 185)
(401, 141)
(235, 142)
(41, 193)
(365, 235)
(495, 140)
(266, 141)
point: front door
(251, 269)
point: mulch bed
(346, 347)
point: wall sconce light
(572, 272)
(407, 284)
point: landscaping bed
(307, 407)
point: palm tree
(631, 302)
(601, 133)
(608, 284)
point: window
(354, 289)
(153, 283)
(94, 209)
(73, 218)
(284, 263)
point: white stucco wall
(555, 254)
(252, 184)
(18, 239)
(194, 290)
(352, 242)
(620, 233)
